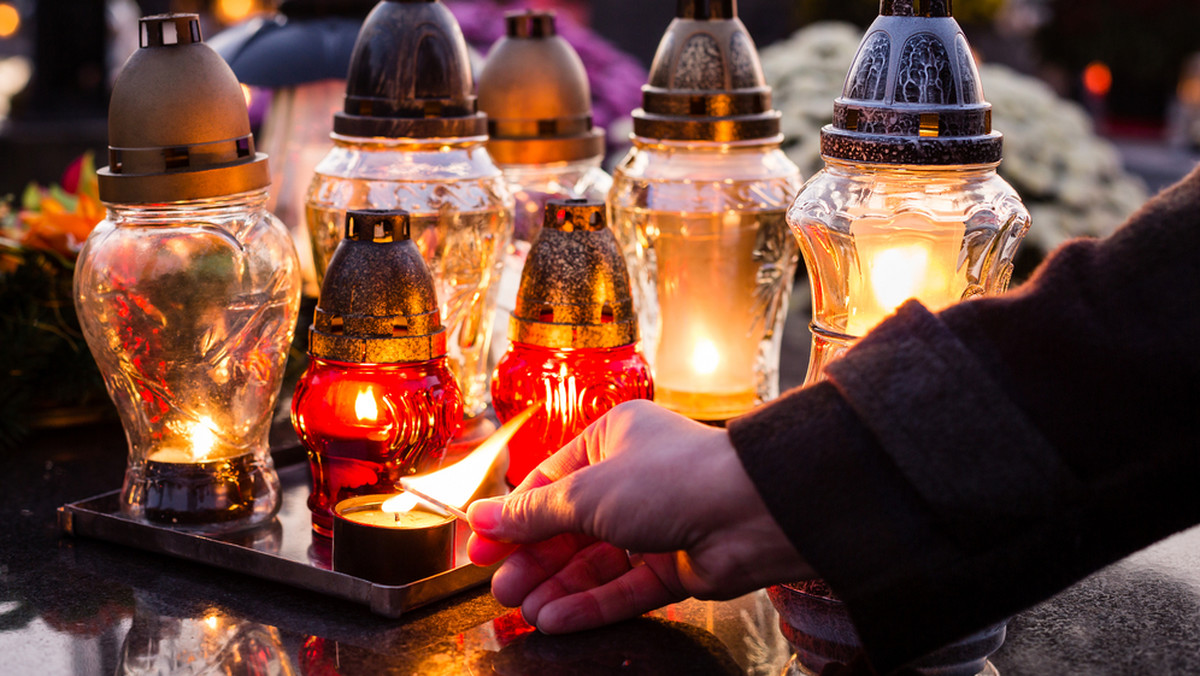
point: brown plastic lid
(534, 90)
(377, 302)
(177, 123)
(410, 76)
(706, 82)
(575, 290)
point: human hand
(642, 509)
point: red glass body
(575, 386)
(367, 425)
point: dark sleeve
(957, 468)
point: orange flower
(59, 221)
(56, 228)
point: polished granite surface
(80, 606)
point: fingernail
(485, 514)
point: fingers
(637, 591)
(593, 566)
(531, 565)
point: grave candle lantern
(698, 206)
(188, 291)
(574, 351)
(378, 400)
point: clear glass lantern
(409, 138)
(534, 90)
(188, 291)
(908, 206)
(698, 206)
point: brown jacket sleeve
(957, 468)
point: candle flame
(897, 274)
(454, 485)
(705, 357)
(365, 407)
(203, 438)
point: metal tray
(284, 550)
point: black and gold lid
(377, 302)
(913, 95)
(575, 290)
(706, 82)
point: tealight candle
(391, 548)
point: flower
(58, 219)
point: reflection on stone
(210, 643)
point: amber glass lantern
(188, 291)
(378, 400)
(698, 207)
(409, 137)
(574, 335)
(909, 204)
(535, 92)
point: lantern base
(817, 626)
(214, 496)
(713, 408)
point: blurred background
(1132, 69)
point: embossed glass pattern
(874, 236)
(574, 387)
(461, 220)
(367, 425)
(702, 228)
(189, 310)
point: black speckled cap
(410, 76)
(913, 95)
(706, 82)
(378, 304)
(575, 290)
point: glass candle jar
(378, 400)
(189, 309)
(188, 291)
(698, 206)
(876, 235)
(574, 351)
(703, 227)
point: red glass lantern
(378, 400)
(574, 336)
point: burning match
(406, 484)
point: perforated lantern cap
(913, 95)
(410, 76)
(706, 82)
(177, 123)
(534, 90)
(575, 290)
(377, 302)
